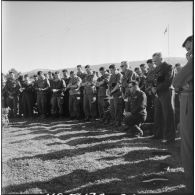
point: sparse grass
(68, 156)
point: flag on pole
(165, 30)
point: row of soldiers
(113, 96)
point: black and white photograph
(97, 97)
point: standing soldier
(164, 114)
(66, 78)
(114, 91)
(74, 96)
(27, 97)
(81, 75)
(102, 84)
(42, 85)
(128, 76)
(89, 94)
(148, 90)
(12, 90)
(184, 81)
(34, 82)
(57, 87)
(49, 93)
(21, 105)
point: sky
(59, 35)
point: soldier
(137, 114)
(89, 94)
(57, 86)
(102, 84)
(35, 109)
(149, 83)
(49, 93)
(144, 69)
(21, 107)
(164, 113)
(115, 92)
(81, 75)
(66, 78)
(27, 96)
(12, 90)
(128, 76)
(41, 86)
(74, 96)
(184, 81)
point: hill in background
(133, 64)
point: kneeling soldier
(137, 114)
(74, 96)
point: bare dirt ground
(71, 157)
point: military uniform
(12, 90)
(66, 98)
(74, 98)
(138, 103)
(164, 112)
(116, 107)
(57, 96)
(41, 84)
(127, 77)
(27, 98)
(49, 96)
(184, 80)
(89, 96)
(81, 75)
(149, 83)
(102, 92)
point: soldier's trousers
(116, 109)
(66, 104)
(42, 103)
(89, 107)
(150, 107)
(27, 102)
(164, 115)
(186, 132)
(101, 105)
(56, 105)
(13, 104)
(74, 106)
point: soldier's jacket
(90, 89)
(66, 79)
(81, 75)
(113, 81)
(103, 87)
(164, 75)
(57, 84)
(12, 87)
(184, 79)
(150, 79)
(28, 87)
(142, 82)
(127, 77)
(138, 103)
(75, 81)
(42, 84)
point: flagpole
(168, 40)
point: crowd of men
(122, 98)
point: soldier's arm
(140, 104)
(47, 85)
(117, 84)
(168, 79)
(184, 75)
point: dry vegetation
(69, 157)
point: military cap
(39, 72)
(26, 75)
(10, 72)
(65, 70)
(72, 72)
(87, 66)
(141, 65)
(34, 75)
(57, 72)
(190, 38)
(112, 66)
(79, 66)
(101, 68)
(149, 61)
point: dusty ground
(69, 157)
